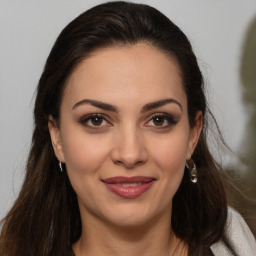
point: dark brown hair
(45, 219)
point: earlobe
(195, 133)
(56, 139)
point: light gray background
(28, 30)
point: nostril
(129, 150)
(128, 164)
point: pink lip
(114, 184)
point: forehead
(139, 70)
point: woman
(119, 163)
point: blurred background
(245, 179)
(223, 35)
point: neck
(152, 238)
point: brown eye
(96, 120)
(158, 120)
(161, 121)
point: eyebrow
(160, 103)
(97, 104)
(112, 108)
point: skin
(130, 141)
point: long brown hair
(45, 218)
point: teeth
(127, 185)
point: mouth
(129, 187)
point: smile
(129, 187)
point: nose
(129, 148)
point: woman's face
(124, 134)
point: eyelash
(167, 118)
(85, 120)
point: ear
(195, 133)
(56, 139)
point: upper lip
(134, 179)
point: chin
(133, 216)
(131, 222)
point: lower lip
(129, 192)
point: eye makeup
(162, 120)
(158, 116)
(95, 121)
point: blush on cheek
(171, 158)
(172, 164)
(82, 164)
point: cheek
(84, 154)
(170, 151)
(170, 156)
(84, 158)
(172, 159)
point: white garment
(239, 235)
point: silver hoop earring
(192, 170)
(60, 165)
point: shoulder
(239, 236)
